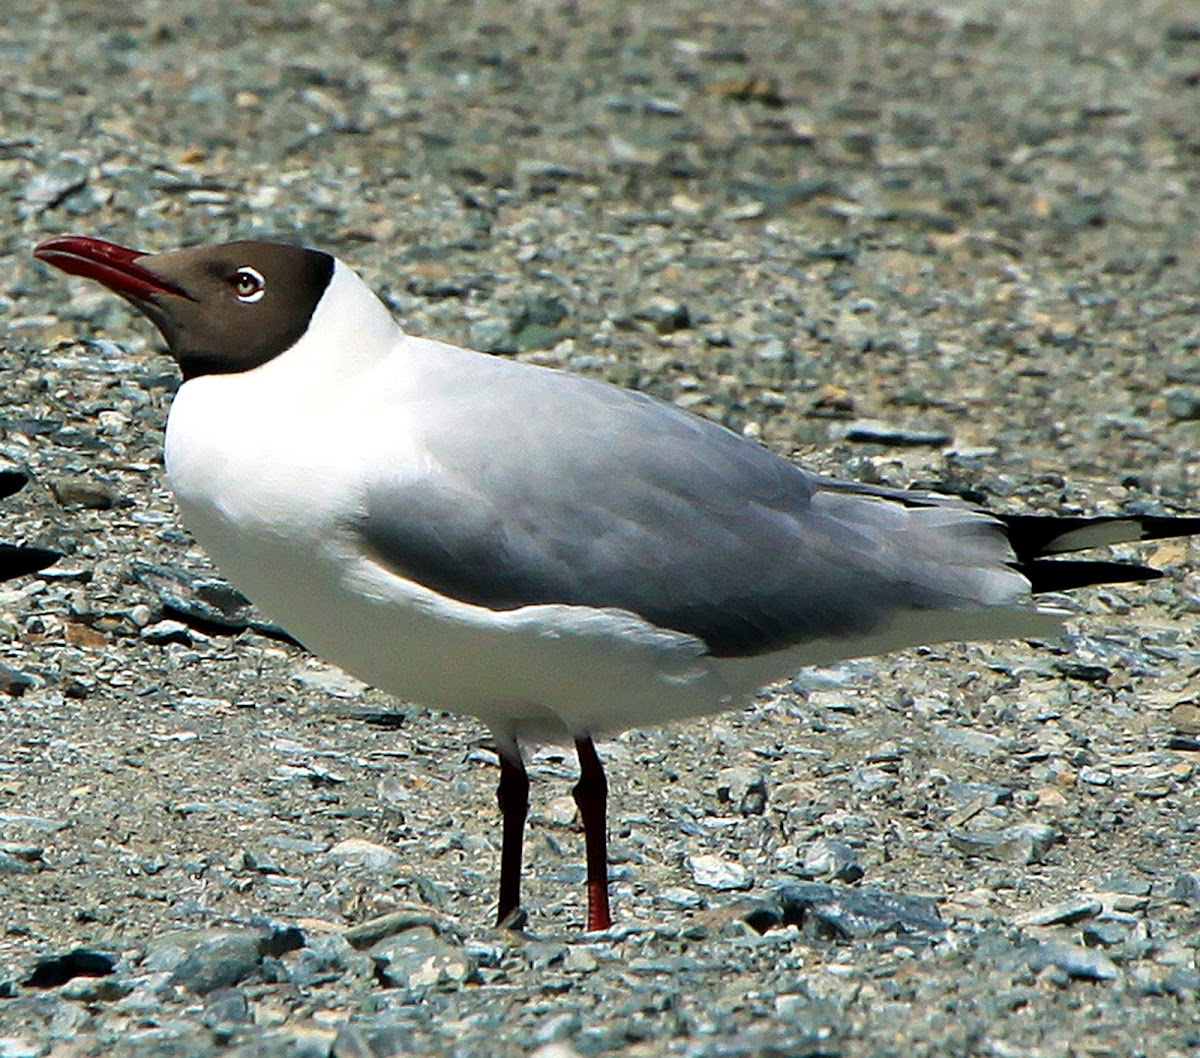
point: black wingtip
(1035, 535)
(1046, 574)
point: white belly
(277, 519)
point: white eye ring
(255, 276)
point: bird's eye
(249, 284)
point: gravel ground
(945, 244)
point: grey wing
(545, 487)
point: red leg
(513, 795)
(591, 795)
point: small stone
(169, 631)
(1186, 889)
(665, 316)
(220, 961)
(833, 860)
(679, 896)
(79, 492)
(1104, 934)
(15, 683)
(857, 913)
(492, 336)
(542, 953)
(743, 788)
(1065, 911)
(1183, 404)
(834, 399)
(49, 187)
(974, 743)
(330, 680)
(716, 873)
(1088, 964)
(357, 852)
(205, 601)
(1025, 843)
(420, 959)
(580, 960)
(366, 934)
(562, 811)
(1185, 718)
(141, 615)
(96, 989)
(1127, 884)
(1183, 982)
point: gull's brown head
(221, 309)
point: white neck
(350, 330)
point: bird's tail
(1035, 537)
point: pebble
(1025, 843)
(419, 959)
(857, 913)
(205, 601)
(1064, 911)
(358, 852)
(834, 860)
(744, 789)
(1183, 404)
(580, 960)
(1088, 964)
(713, 872)
(366, 934)
(220, 961)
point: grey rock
(665, 316)
(491, 335)
(419, 959)
(1088, 964)
(1064, 911)
(227, 1006)
(713, 872)
(96, 989)
(857, 913)
(744, 789)
(330, 958)
(23, 1047)
(834, 860)
(1183, 404)
(580, 960)
(365, 934)
(220, 961)
(50, 186)
(542, 953)
(204, 601)
(387, 1036)
(14, 682)
(357, 852)
(1104, 934)
(1185, 889)
(1024, 843)
(164, 632)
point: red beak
(115, 266)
